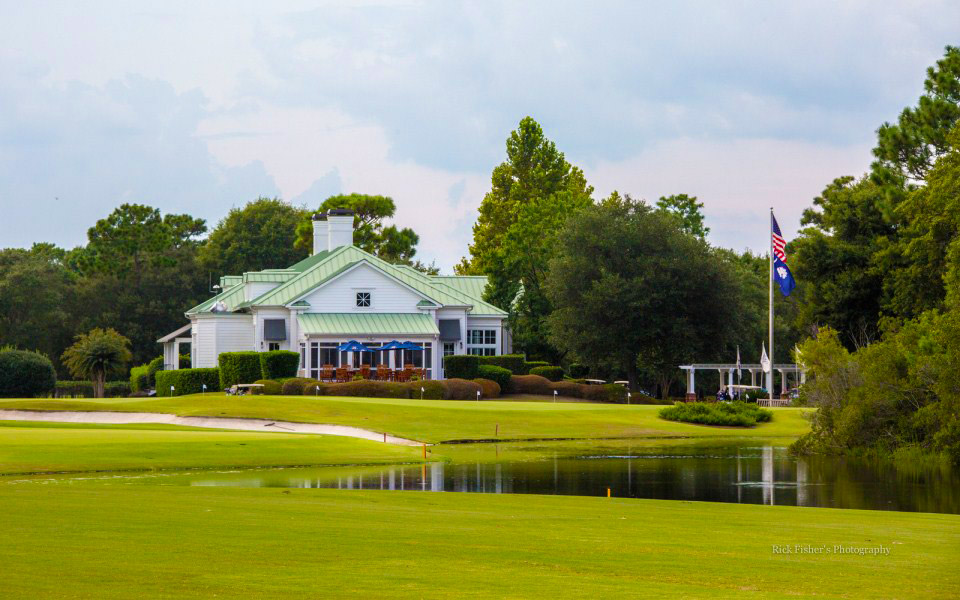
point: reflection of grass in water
(521, 451)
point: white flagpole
(770, 356)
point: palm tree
(96, 355)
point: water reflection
(743, 474)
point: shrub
(371, 389)
(530, 384)
(297, 386)
(568, 388)
(738, 414)
(432, 390)
(96, 355)
(488, 387)
(25, 374)
(515, 363)
(609, 392)
(187, 381)
(139, 378)
(533, 364)
(550, 372)
(279, 363)
(460, 389)
(495, 373)
(239, 367)
(463, 366)
(578, 370)
(152, 367)
(270, 388)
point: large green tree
(533, 193)
(909, 148)
(632, 288)
(876, 250)
(138, 273)
(36, 299)
(370, 231)
(688, 211)
(260, 235)
(836, 258)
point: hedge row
(466, 365)
(84, 389)
(494, 373)
(139, 379)
(187, 381)
(611, 392)
(447, 389)
(550, 372)
(248, 367)
(25, 374)
(278, 364)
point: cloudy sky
(200, 106)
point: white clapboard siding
(221, 333)
(340, 295)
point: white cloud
(738, 181)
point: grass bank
(65, 447)
(109, 541)
(438, 420)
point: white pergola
(800, 374)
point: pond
(748, 471)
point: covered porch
(172, 343)
(322, 335)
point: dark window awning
(449, 330)
(274, 330)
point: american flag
(779, 244)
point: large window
(322, 353)
(482, 342)
(449, 348)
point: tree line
(140, 269)
(880, 255)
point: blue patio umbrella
(392, 345)
(410, 346)
(353, 346)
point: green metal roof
(273, 276)
(316, 270)
(362, 324)
(472, 285)
(228, 281)
(425, 304)
(233, 297)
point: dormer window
(363, 299)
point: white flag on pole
(764, 359)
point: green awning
(366, 324)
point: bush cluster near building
(85, 389)
(187, 381)
(25, 374)
(446, 389)
(736, 414)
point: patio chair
(408, 367)
(365, 371)
(384, 373)
(327, 373)
(343, 374)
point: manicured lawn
(67, 447)
(440, 420)
(117, 541)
